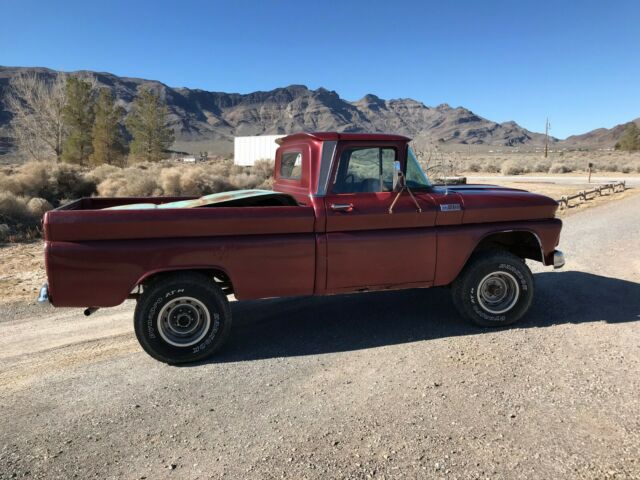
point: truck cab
(349, 180)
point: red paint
(96, 257)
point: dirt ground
(21, 271)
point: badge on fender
(450, 207)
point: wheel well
(216, 275)
(522, 243)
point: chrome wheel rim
(498, 292)
(183, 322)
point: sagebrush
(30, 189)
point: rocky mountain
(598, 138)
(206, 120)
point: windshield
(415, 177)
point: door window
(365, 169)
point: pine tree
(107, 139)
(630, 140)
(78, 116)
(147, 123)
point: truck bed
(106, 218)
(95, 255)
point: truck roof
(328, 136)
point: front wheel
(182, 318)
(494, 289)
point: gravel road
(379, 385)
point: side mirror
(397, 175)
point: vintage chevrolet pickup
(348, 213)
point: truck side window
(291, 165)
(365, 170)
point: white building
(246, 150)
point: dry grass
(30, 189)
(511, 162)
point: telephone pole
(546, 138)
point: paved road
(632, 181)
(381, 385)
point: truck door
(368, 247)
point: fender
(182, 268)
(456, 244)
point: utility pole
(546, 139)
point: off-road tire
(182, 298)
(471, 290)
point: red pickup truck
(348, 213)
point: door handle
(342, 207)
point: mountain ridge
(209, 120)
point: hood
(492, 203)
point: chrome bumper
(44, 294)
(558, 259)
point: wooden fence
(600, 190)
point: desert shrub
(245, 180)
(221, 168)
(611, 166)
(69, 181)
(474, 167)
(491, 166)
(199, 180)
(541, 166)
(263, 169)
(8, 183)
(560, 168)
(38, 206)
(34, 179)
(129, 182)
(47, 180)
(4, 232)
(102, 172)
(13, 208)
(267, 184)
(238, 170)
(170, 181)
(33, 188)
(511, 167)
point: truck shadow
(314, 325)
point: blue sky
(573, 61)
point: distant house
(246, 150)
(188, 159)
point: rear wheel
(182, 318)
(494, 289)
